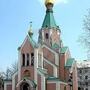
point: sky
(15, 18)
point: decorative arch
(24, 86)
(26, 83)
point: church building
(46, 65)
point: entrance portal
(25, 86)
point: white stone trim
(60, 82)
(57, 86)
(19, 65)
(30, 59)
(35, 64)
(57, 63)
(28, 81)
(55, 71)
(42, 60)
(49, 62)
(56, 59)
(54, 67)
(13, 81)
(49, 49)
(43, 83)
(24, 42)
(7, 83)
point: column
(35, 64)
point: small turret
(49, 21)
(30, 30)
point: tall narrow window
(23, 59)
(32, 59)
(47, 36)
(27, 59)
(86, 77)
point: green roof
(53, 78)
(49, 20)
(55, 46)
(43, 71)
(70, 62)
(63, 49)
(32, 41)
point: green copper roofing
(49, 20)
(43, 71)
(63, 49)
(32, 41)
(70, 62)
(53, 78)
(55, 46)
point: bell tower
(49, 33)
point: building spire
(30, 30)
(49, 20)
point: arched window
(23, 59)
(25, 86)
(27, 59)
(47, 36)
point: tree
(1, 80)
(85, 37)
(11, 70)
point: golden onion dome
(30, 32)
(49, 1)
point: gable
(28, 44)
(70, 62)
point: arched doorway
(25, 86)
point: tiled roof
(63, 49)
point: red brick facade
(45, 65)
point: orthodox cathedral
(46, 65)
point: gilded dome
(49, 1)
